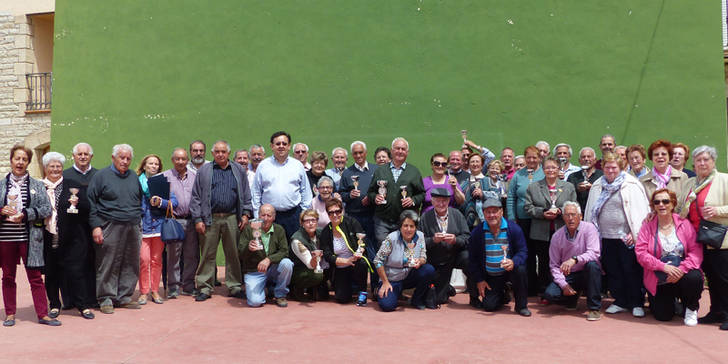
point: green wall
(157, 74)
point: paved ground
(222, 330)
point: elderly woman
(382, 156)
(474, 194)
(680, 157)
(636, 156)
(153, 214)
(663, 175)
(544, 201)
(306, 257)
(25, 206)
(319, 161)
(708, 200)
(617, 205)
(494, 181)
(52, 253)
(441, 179)
(325, 187)
(343, 251)
(401, 264)
(519, 162)
(670, 256)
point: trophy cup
(562, 163)
(464, 134)
(256, 224)
(318, 252)
(502, 185)
(382, 191)
(553, 196)
(584, 170)
(504, 247)
(360, 242)
(530, 174)
(404, 191)
(411, 261)
(73, 200)
(355, 181)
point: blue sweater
(517, 193)
(476, 249)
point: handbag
(711, 233)
(671, 259)
(171, 229)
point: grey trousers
(117, 263)
(382, 229)
(189, 252)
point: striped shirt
(494, 248)
(224, 192)
(10, 231)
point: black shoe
(475, 302)
(238, 294)
(451, 291)
(711, 318)
(202, 297)
(87, 314)
(54, 312)
(524, 312)
(217, 283)
(724, 325)
(9, 322)
(51, 322)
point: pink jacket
(644, 249)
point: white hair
(563, 145)
(571, 203)
(705, 149)
(119, 147)
(333, 151)
(304, 146)
(82, 144)
(325, 179)
(400, 139)
(357, 142)
(542, 142)
(250, 150)
(51, 157)
(586, 148)
(227, 145)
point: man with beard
(198, 149)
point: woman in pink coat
(671, 258)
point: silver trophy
(563, 162)
(318, 268)
(256, 225)
(382, 191)
(464, 134)
(360, 243)
(584, 172)
(403, 190)
(504, 247)
(411, 260)
(501, 184)
(530, 174)
(553, 196)
(355, 181)
(73, 200)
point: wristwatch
(575, 259)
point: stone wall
(17, 59)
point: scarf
(662, 179)
(699, 186)
(16, 188)
(143, 180)
(608, 189)
(52, 221)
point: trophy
(584, 170)
(530, 174)
(553, 196)
(502, 185)
(256, 224)
(411, 261)
(73, 200)
(382, 191)
(355, 181)
(404, 191)
(15, 202)
(504, 247)
(563, 162)
(464, 134)
(360, 242)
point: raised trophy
(73, 200)
(355, 181)
(382, 191)
(360, 243)
(464, 134)
(256, 224)
(530, 174)
(403, 190)
(504, 247)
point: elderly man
(574, 261)
(265, 260)
(74, 232)
(446, 239)
(198, 149)
(243, 159)
(587, 158)
(404, 190)
(300, 152)
(181, 181)
(562, 152)
(339, 156)
(497, 253)
(606, 144)
(455, 164)
(507, 157)
(354, 180)
(282, 182)
(220, 207)
(115, 210)
(257, 154)
(544, 149)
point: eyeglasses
(307, 221)
(299, 151)
(334, 212)
(281, 144)
(658, 202)
(439, 164)
(326, 188)
(571, 215)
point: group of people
(530, 225)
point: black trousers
(688, 289)
(539, 272)
(344, 278)
(624, 274)
(493, 300)
(715, 266)
(79, 268)
(55, 284)
(443, 274)
(588, 279)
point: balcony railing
(40, 90)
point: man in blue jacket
(497, 254)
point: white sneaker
(615, 309)
(638, 312)
(691, 317)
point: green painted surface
(159, 74)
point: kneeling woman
(341, 250)
(402, 263)
(671, 258)
(306, 256)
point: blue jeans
(256, 282)
(420, 279)
(588, 279)
(289, 220)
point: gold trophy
(355, 181)
(382, 191)
(73, 200)
(360, 242)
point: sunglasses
(663, 202)
(281, 144)
(334, 212)
(439, 164)
(299, 151)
